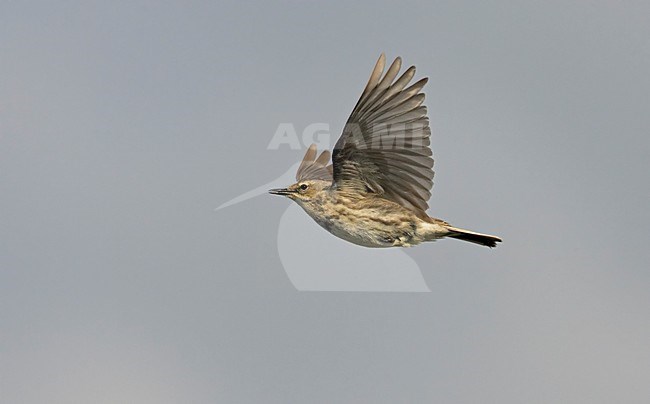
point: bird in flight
(375, 192)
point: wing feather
(385, 146)
(312, 168)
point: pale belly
(369, 240)
(371, 233)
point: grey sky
(122, 126)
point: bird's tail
(473, 237)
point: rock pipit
(375, 192)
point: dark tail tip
(476, 238)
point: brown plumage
(376, 191)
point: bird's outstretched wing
(385, 146)
(312, 168)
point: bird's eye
(304, 186)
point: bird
(375, 193)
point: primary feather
(384, 148)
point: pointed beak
(281, 191)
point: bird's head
(302, 191)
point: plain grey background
(124, 124)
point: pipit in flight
(375, 192)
